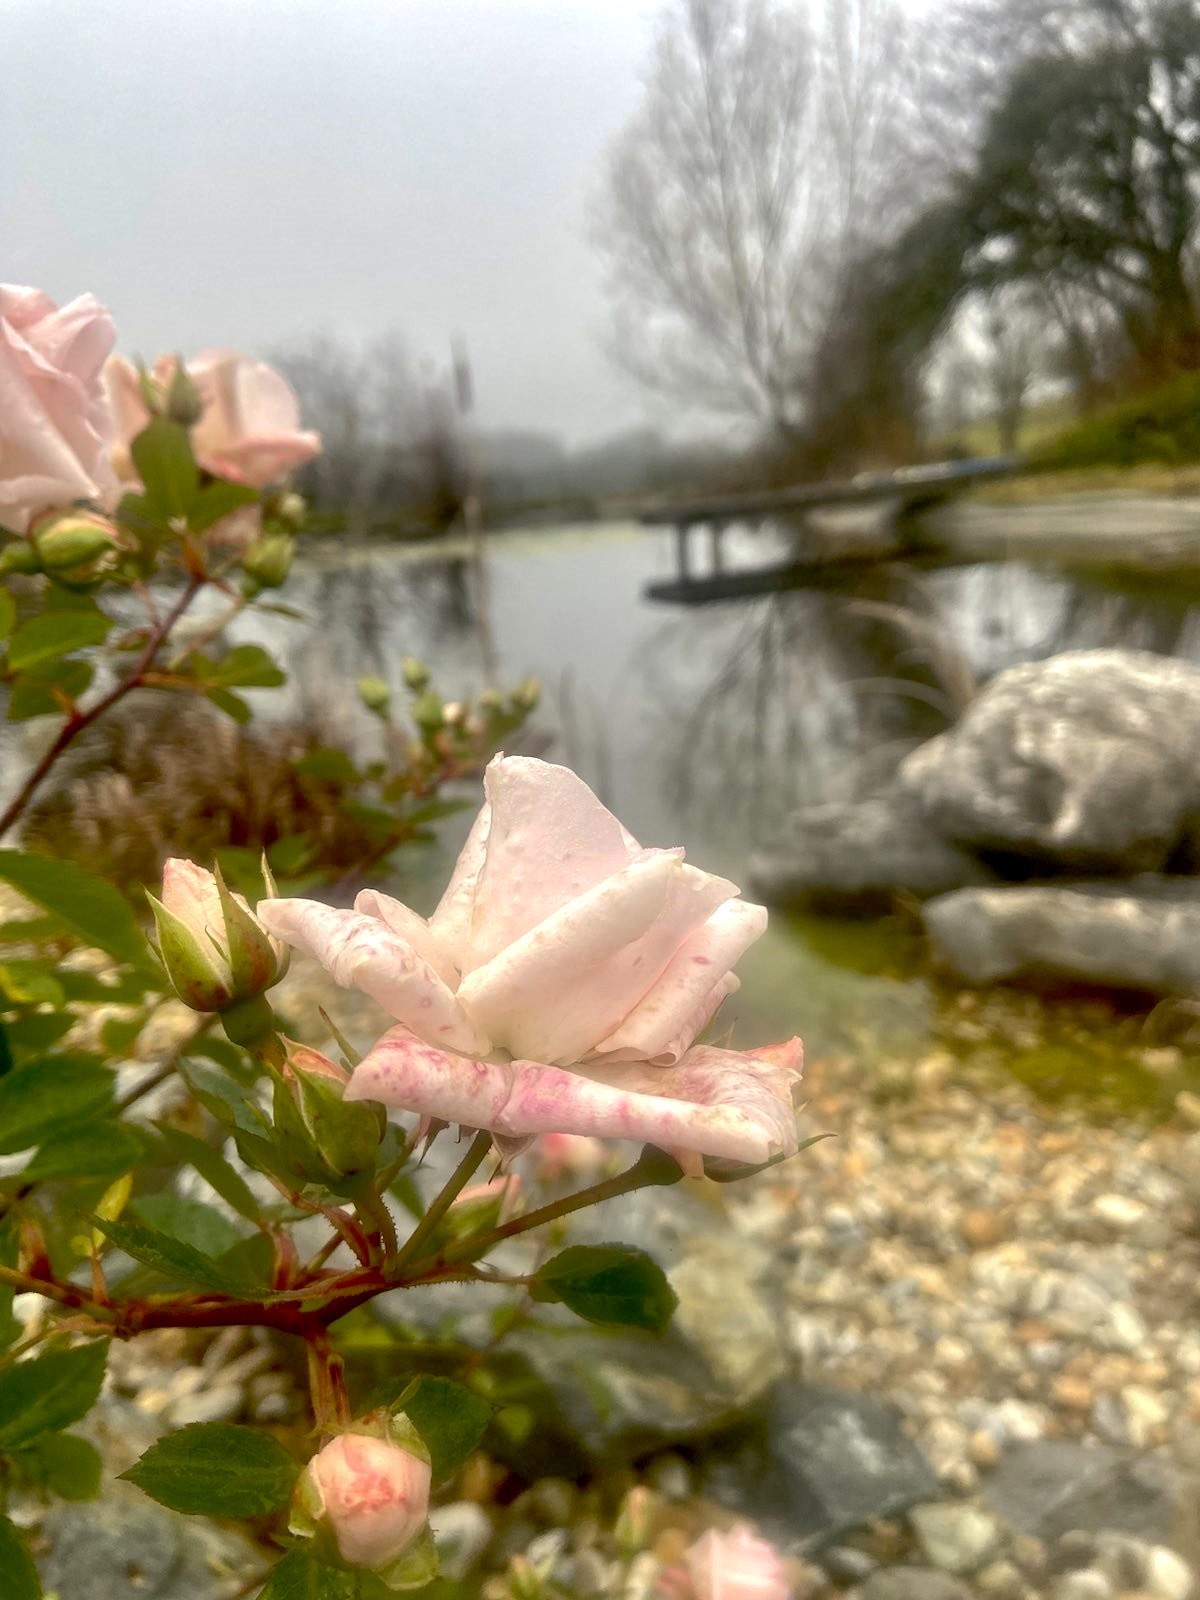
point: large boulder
(1144, 935)
(1090, 760)
(856, 854)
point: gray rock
(1086, 1584)
(845, 1460)
(857, 853)
(603, 1396)
(125, 1544)
(1052, 1486)
(955, 1538)
(913, 1583)
(1145, 935)
(1089, 758)
(462, 1531)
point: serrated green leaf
(217, 500)
(21, 1581)
(29, 983)
(246, 666)
(299, 1577)
(54, 634)
(215, 1170)
(96, 1150)
(63, 1464)
(50, 1392)
(35, 697)
(43, 1099)
(328, 765)
(86, 905)
(8, 613)
(175, 1259)
(216, 1469)
(231, 704)
(190, 1221)
(611, 1284)
(162, 454)
(34, 1035)
(450, 1419)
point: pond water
(709, 725)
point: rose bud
(484, 1206)
(635, 1520)
(416, 674)
(570, 1155)
(325, 1140)
(737, 1565)
(78, 548)
(364, 1501)
(216, 952)
(269, 560)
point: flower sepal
(324, 1139)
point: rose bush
(560, 985)
(56, 430)
(560, 988)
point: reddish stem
(78, 720)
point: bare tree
(391, 438)
(738, 197)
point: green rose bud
(325, 1140)
(217, 954)
(416, 674)
(269, 559)
(375, 695)
(78, 548)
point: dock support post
(682, 553)
(716, 552)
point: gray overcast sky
(246, 172)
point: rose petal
(658, 1026)
(715, 1101)
(364, 953)
(562, 986)
(549, 840)
(451, 922)
(412, 928)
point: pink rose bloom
(736, 1566)
(373, 1496)
(249, 429)
(560, 985)
(55, 425)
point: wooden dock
(918, 517)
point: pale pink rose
(736, 1566)
(372, 1495)
(560, 985)
(249, 428)
(55, 425)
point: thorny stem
(208, 635)
(439, 1206)
(327, 1383)
(310, 1308)
(76, 721)
(373, 1213)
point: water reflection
(718, 720)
